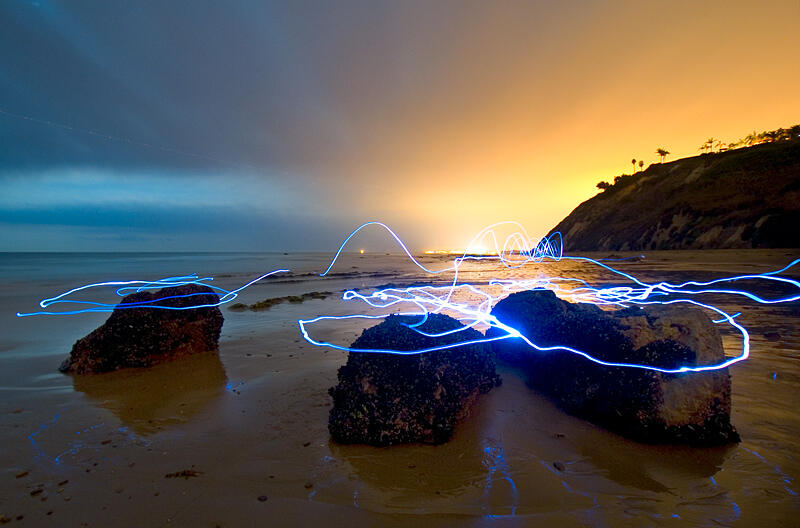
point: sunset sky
(210, 125)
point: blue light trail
(135, 286)
(459, 298)
(517, 251)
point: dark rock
(649, 406)
(184, 474)
(141, 337)
(384, 399)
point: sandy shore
(249, 427)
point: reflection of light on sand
(149, 399)
(55, 446)
(497, 471)
(482, 250)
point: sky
(251, 125)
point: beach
(240, 438)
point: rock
(141, 337)
(385, 399)
(691, 408)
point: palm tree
(641, 164)
(633, 162)
(663, 153)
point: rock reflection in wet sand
(149, 399)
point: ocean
(252, 421)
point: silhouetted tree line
(712, 145)
(603, 185)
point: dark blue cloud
(243, 83)
(188, 227)
(307, 94)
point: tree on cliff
(708, 146)
(663, 153)
(603, 185)
(633, 162)
(641, 164)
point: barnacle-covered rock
(645, 405)
(384, 399)
(140, 337)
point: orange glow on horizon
(520, 127)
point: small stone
(63, 482)
(309, 485)
(559, 466)
(262, 498)
(23, 474)
(36, 492)
(307, 444)
(186, 474)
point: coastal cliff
(743, 198)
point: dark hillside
(749, 197)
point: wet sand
(252, 423)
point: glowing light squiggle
(517, 250)
(135, 286)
